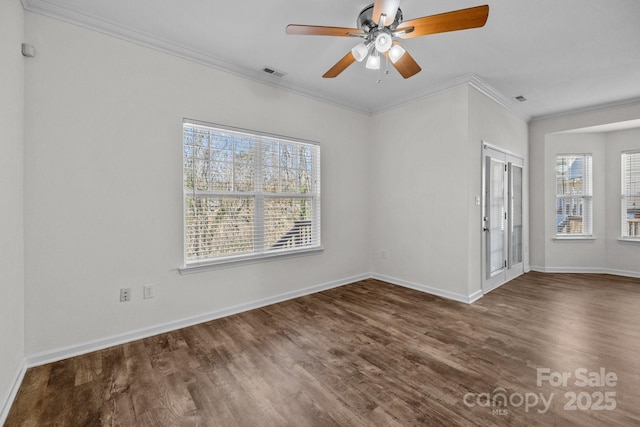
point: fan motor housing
(365, 20)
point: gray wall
(426, 175)
(548, 137)
(103, 186)
(11, 187)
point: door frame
(510, 270)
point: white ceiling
(561, 55)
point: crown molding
(472, 80)
(42, 7)
(591, 108)
(491, 92)
(165, 46)
(125, 33)
(427, 93)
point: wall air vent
(274, 72)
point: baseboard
(586, 270)
(99, 344)
(475, 296)
(467, 299)
(5, 404)
(61, 353)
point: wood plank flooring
(366, 354)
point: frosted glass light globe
(383, 42)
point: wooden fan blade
(317, 30)
(462, 19)
(340, 66)
(387, 7)
(406, 65)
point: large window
(574, 212)
(631, 195)
(248, 195)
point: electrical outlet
(148, 291)
(125, 294)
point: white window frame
(629, 231)
(258, 195)
(586, 196)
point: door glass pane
(496, 219)
(515, 237)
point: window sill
(574, 239)
(629, 240)
(250, 259)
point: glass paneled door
(502, 220)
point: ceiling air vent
(274, 72)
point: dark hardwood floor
(369, 354)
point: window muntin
(574, 186)
(248, 195)
(630, 221)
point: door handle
(485, 229)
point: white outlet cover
(125, 294)
(148, 291)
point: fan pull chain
(386, 70)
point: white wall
(618, 257)
(429, 233)
(103, 196)
(103, 186)
(102, 149)
(579, 254)
(416, 220)
(11, 185)
(491, 123)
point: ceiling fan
(380, 23)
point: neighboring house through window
(574, 205)
(631, 195)
(248, 195)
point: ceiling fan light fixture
(383, 42)
(380, 23)
(396, 53)
(373, 62)
(360, 51)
